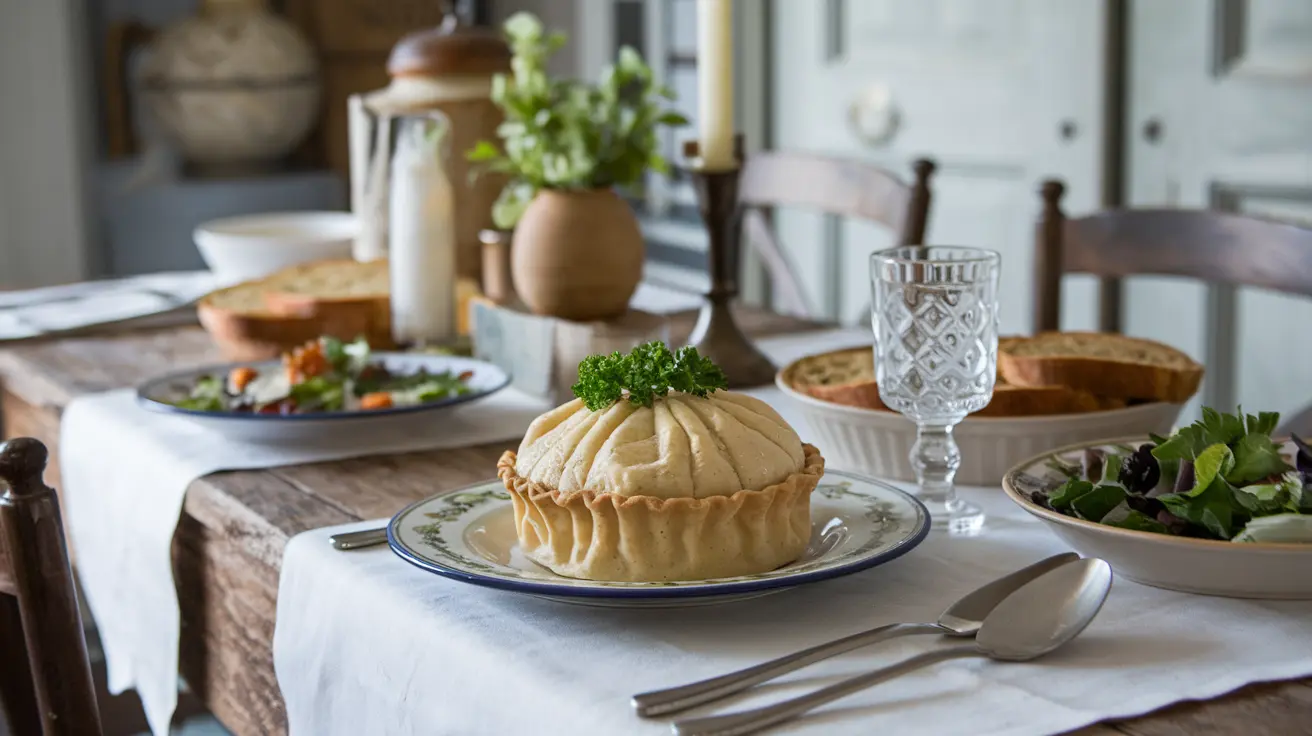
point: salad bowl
(1140, 551)
(168, 394)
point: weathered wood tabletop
(229, 543)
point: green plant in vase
(568, 146)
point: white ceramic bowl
(1232, 569)
(250, 246)
(879, 443)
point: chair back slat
(786, 289)
(833, 186)
(1209, 246)
(33, 534)
(1215, 247)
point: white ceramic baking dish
(878, 443)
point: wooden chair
(1216, 247)
(831, 186)
(49, 689)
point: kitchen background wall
(1196, 103)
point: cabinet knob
(1068, 130)
(872, 116)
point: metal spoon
(1040, 617)
(962, 618)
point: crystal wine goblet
(935, 318)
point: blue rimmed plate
(159, 393)
(469, 535)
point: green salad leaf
(1125, 517)
(1213, 507)
(1260, 499)
(1256, 458)
(1099, 501)
(1240, 477)
(1068, 492)
(206, 395)
(1278, 529)
(425, 387)
(321, 393)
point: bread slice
(1103, 364)
(259, 320)
(842, 376)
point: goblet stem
(935, 458)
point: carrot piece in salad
(376, 400)
(305, 362)
(241, 377)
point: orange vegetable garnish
(241, 377)
(376, 400)
(305, 362)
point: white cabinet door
(1001, 93)
(1221, 117)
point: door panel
(1001, 94)
(1227, 86)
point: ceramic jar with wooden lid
(448, 68)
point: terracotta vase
(577, 255)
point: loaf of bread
(259, 320)
(1102, 364)
(848, 377)
(1033, 401)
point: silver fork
(961, 619)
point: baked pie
(661, 484)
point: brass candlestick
(716, 335)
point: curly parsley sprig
(647, 373)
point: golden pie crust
(606, 536)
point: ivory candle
(715, 84)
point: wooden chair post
(913, 230)
(1048, 258)
(33, 533)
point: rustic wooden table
(229, 542)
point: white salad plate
(159, 394)
(469, 535)
(1206, 566)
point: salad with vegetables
(324, 375)
(1221, 478)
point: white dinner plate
(157, 395)
(469, 535)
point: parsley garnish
(647, 373)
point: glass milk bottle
(422, 232)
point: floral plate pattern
(469, 535)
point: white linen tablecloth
(125, 472)
(365, 643)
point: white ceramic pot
(234, 87)
(250, 246)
